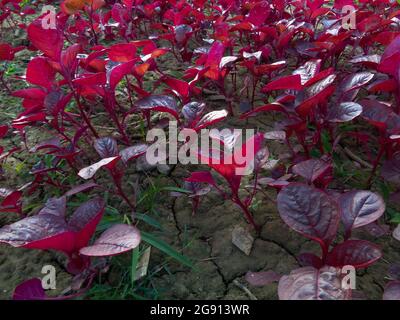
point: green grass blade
(134, 263)
(166, 248)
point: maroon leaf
(3, 130)
(263, 278)
(360, 208)
(201, 176)
(310, 260)
(309, 211)
(309, 283)
(29, 290)
(115, 240)
(11, 198)
(357, 253)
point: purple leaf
(44, 231)
(55, 206)
(310, 260)
(360, 208)
(192, 110)
(52, 143)
(115, 240)
(311, 169)
(392, 291)
(160, 103)
(309, 211)
(355, 81)
(309, 283)
(83, 187)
(345, 111)
(390, 170)
(48, 231)
(396, 233)
(29, 290)
(377, 230)
(133, 152)
(275, 135)
(308, 70)
(357, 253)
(181, 32)
(106, 147)
(394, 271)
(84, 220)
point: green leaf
(134, 263)
(166, 248)
(149, 220)
(175, 189)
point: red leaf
(213, 60)
(181, 87)
(49, 41)
(283, 83)
(122, 52)
(40, 72)
(3, 130)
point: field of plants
(314, 211)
